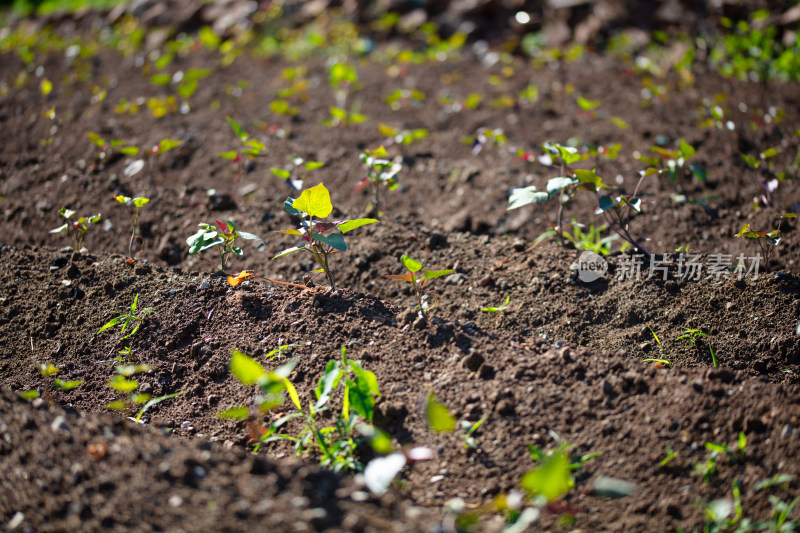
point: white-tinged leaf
(381, 471)
(291, 250)
(133, 168)
(526, 195)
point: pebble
(60, 424)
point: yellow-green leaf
(439, 417)
(315, 201)
(246, 369)
(552, 478)
(293, 394)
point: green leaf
(590, 177)
(237, 129)
(229, 155)
(161, 78)
(246, 369)
(686, 149)
(569, 154)
(315, 201)
(361, 398)
(119, 383)
(187, 89)
(293, 394)
(526, 195)
(606, 203)
(327, 383)
(430, 274)
(496, 309)
(769, 152)
(96, 139)
(438, 416)
(165, 145)
(313, 165)
(110, 323)
(250, 236)
(29, 394)
(235, 413)
(156, 401)
(334, 240)
(412, 265)
(357, 223)
(751, 161)
(552, 478)
(281, 173)
(129, 150)
(66, 385)
(139, 202)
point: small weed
(418, 281)
(251, 148)
(130, 321)
(663, 361)
(671, 454)
(77, 229)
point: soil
(564, 358)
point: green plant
(439, 419)
(735, 454)
(47, 370)
(485, 136)
(336, 444)
(108, 147)
(692, 335)
(663, 361)
(380, 172)
(400, 98)
(767, 240)
(502, 307)
(132, 205)
(130, 321)
(592, 239)
(127, 395)
(673, 161)
(402, 137)
(769, 178)
(296, 163)
(671, 454)
(251, 148)
(418, 280)
(469, 430)
(77, 229)
(314, 204)
(340, 116)
(223, 237)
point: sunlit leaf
(246, 369)
(315, 201)
(438, 416)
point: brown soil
(565, 357)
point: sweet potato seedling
(405, 137)
(222, 237)
(312, 205)
(417, 277)
(381, 172)
(108, 147)
(76, 229)
(674, 161)
(767, 240)
(132, 205)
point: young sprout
(251, 148)
(417, 278)
(312, 205)
(499, 308)
(132, 205)
(296, 163)
(77, 229)
(659, 362)
(767, 240)
(223, 237)
(380, 172)
(692, 335)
